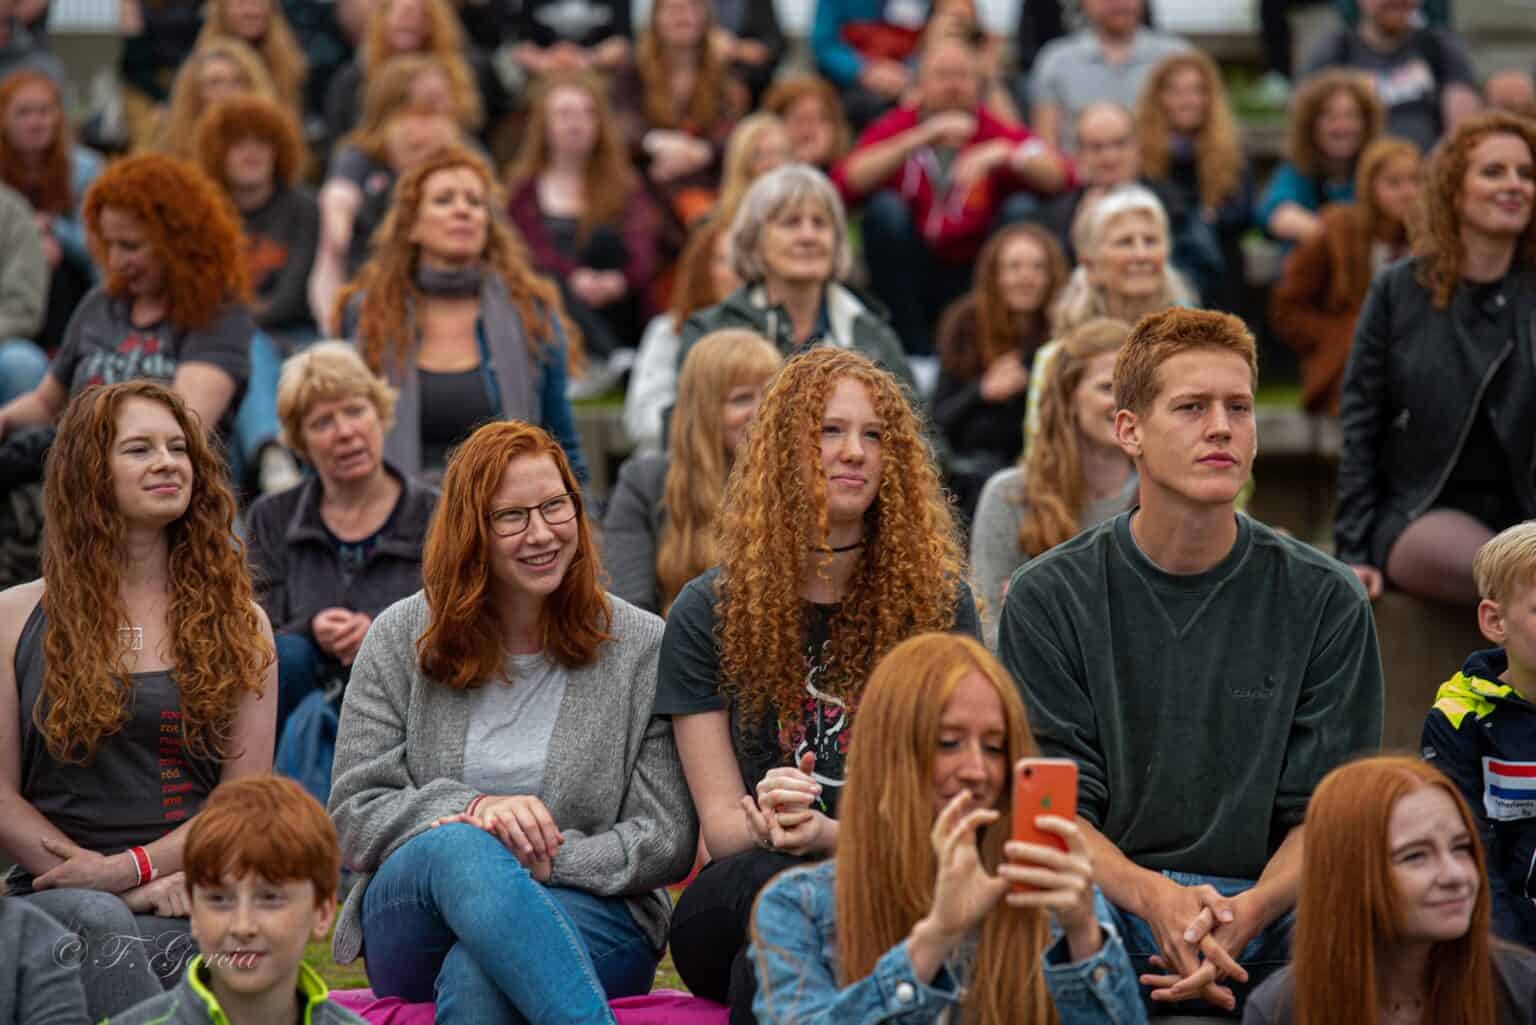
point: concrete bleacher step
(1422, 644)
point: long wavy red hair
(711, 96)
(278, 48)
(1439, 246)
(885, 862)
(191, 226)
(995, 328)
(462, 646)
(1307, 106)
(45, 183)
(775, 513)
(445, 41)
(386, 282)
(1053, 467)
(1348, 909)
(218, 646)
(1218, 146)
(609, 180)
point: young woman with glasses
(497, 762)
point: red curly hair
(1307, 106)
(251, 117)
(386, 284)
(775, 512)
(217, 641)
(1438, 246)
(192, 228)
(45, 184)
(462, 646)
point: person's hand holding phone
(1061, 881)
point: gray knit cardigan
(612, 782)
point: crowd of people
(939, 363)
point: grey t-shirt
(688, 682)
(102, 345)
(1409, 80)
(1071, 73)
(510, 724)
(140, 785)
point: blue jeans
(1264, 955)
(452, 917)
(22, 366)
(302, 669)
(256, 418)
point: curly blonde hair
(1218, 149)
(1438, 246)
(1053, 476)
(386, 282)
(774, 515)
(217, 642)
(698, 464)
(191, 226)
(1307, 106)
(278, 49)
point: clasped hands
(522, 824)
(1200, 934)
(781, 818)
(84, 869)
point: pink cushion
(661, 1007)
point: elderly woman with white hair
(789, 246)
(330, 554)
(1123, 272)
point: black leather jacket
(1415, 380)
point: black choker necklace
(845, 548)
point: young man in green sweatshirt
(1203, 670)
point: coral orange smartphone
(1043, 786)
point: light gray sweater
(995, 553)
(612, 782)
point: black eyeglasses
(514, 519)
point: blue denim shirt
(797, 969)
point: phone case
(1043, 786)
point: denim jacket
(797, 969)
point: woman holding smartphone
(914, 916)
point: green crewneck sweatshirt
(1201, 709)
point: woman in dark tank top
(134, 677)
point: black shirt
(1480, 484)
(688, 682)
(452, 405)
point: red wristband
(474, 804)
(141, 862)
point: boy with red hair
(262, 866)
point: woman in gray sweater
(500, 781)
(1073, 474)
